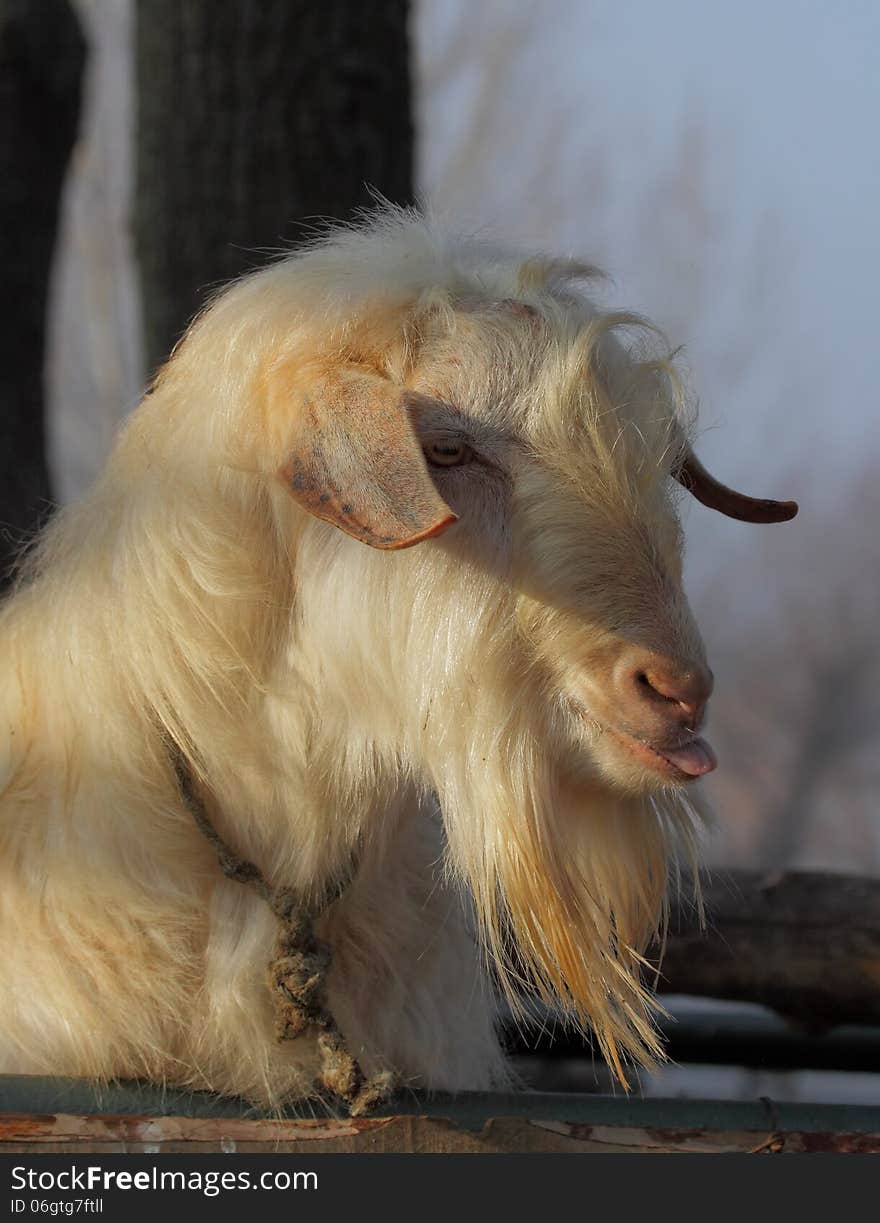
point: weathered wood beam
(805, 944)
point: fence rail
(71, 1115)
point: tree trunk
(256, 119)
(42, 56)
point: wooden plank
(71, 1133)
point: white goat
(490, 732)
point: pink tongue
(695, 758)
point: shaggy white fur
(404, 385)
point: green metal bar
(469, 1110)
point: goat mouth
(684, 762)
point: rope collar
(297, 975)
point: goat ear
(356, 461)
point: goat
(487, 738)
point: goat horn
(694, 477)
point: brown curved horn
(693, 475)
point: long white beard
(569, 879)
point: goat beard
(569, 878)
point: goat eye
(448, 453)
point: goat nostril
(682, 691)
(653, 691)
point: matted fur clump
(491, 728)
